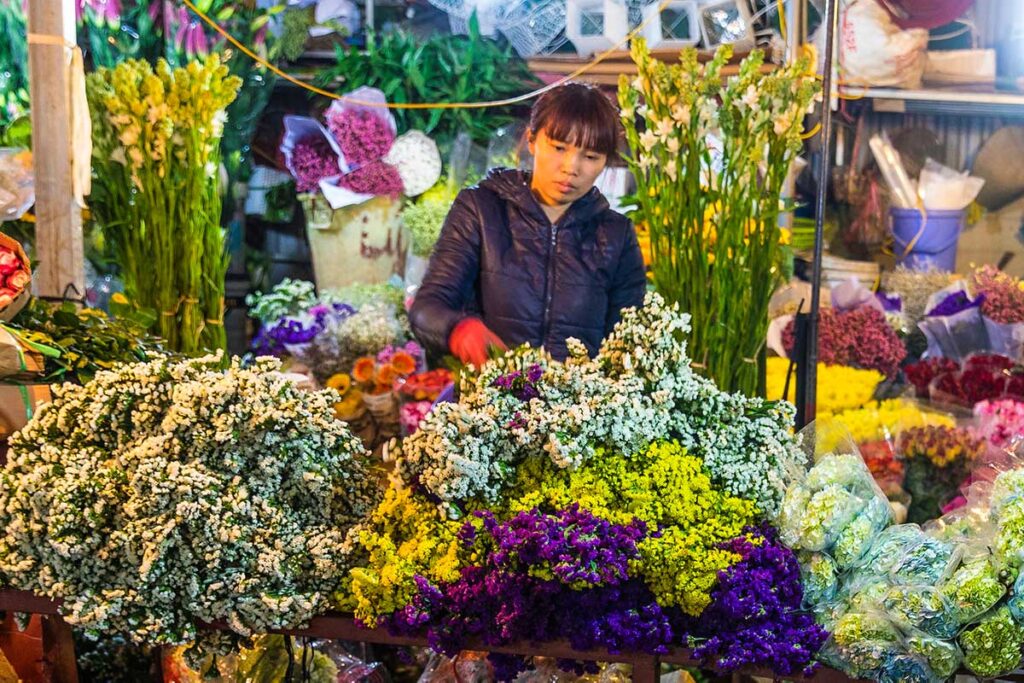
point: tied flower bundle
(165, 494)
(859, 338)
(330, 331)
(1004, 295)
(424, 218)
(15, 277)
(840, 388)
(544, 466)
(638, 389)
(980, 377)
(1000, 422)
(616, 553)
(358, 155)
(156, 196)
(380, 377)
(917, 604)
(937, 461)
(715, 241)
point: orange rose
(403, 363)
(363, 369)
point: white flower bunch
(163, 494)
(417, 160)
(346, 338)
(638, 389)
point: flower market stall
(647, 507)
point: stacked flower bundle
(329, 332)
(548, 503)
(858, 338)
(937, 461)
(906, 604)
(359, 154)
(840, 388)
(979, 377)
(165, 494)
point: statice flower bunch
(572, 546)
(639, 388)
(755, 617)
(164, 494)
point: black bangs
(579, 115)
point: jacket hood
(513, 185)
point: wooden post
(59, 248)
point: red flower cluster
(14, 275)
(426, 385)
(861, 338)
(982, 377)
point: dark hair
(579, 114)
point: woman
(537, 256)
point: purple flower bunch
(313, 159)
(755, 618)
(376, 178)
(956, 302)
(521, 385)
(589, 599)
(579, 548)
(363, 136)
(300, 329)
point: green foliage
(444, 68)
(88, 339)
(13, 62)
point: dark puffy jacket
(499, 258)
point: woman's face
(562, 172)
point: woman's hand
(471, 341)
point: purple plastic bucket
(936, 246)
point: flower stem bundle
(712, 211)
(156, 192)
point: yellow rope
(423, 105)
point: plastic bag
(921, 608)
(958, 333)
(17, 183)
(468, 667)
(944, 189)
(974, 588)
(942, 656)
(992, 647)
(861, 643)
(820, 578)
(874, 51)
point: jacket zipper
(549, 288)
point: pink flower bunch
(411, 414)
(860, 338)
(1004, 295)
(376, 178)
(363, 136)
(1000, 421)
(313, 159)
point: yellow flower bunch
(881, 420)
(942, 446)
(156, 196)
(665, 488)
(405, 537)
(351, 396)
(840, 388)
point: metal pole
(809, 376)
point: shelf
(959, 101)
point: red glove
(470, 341)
